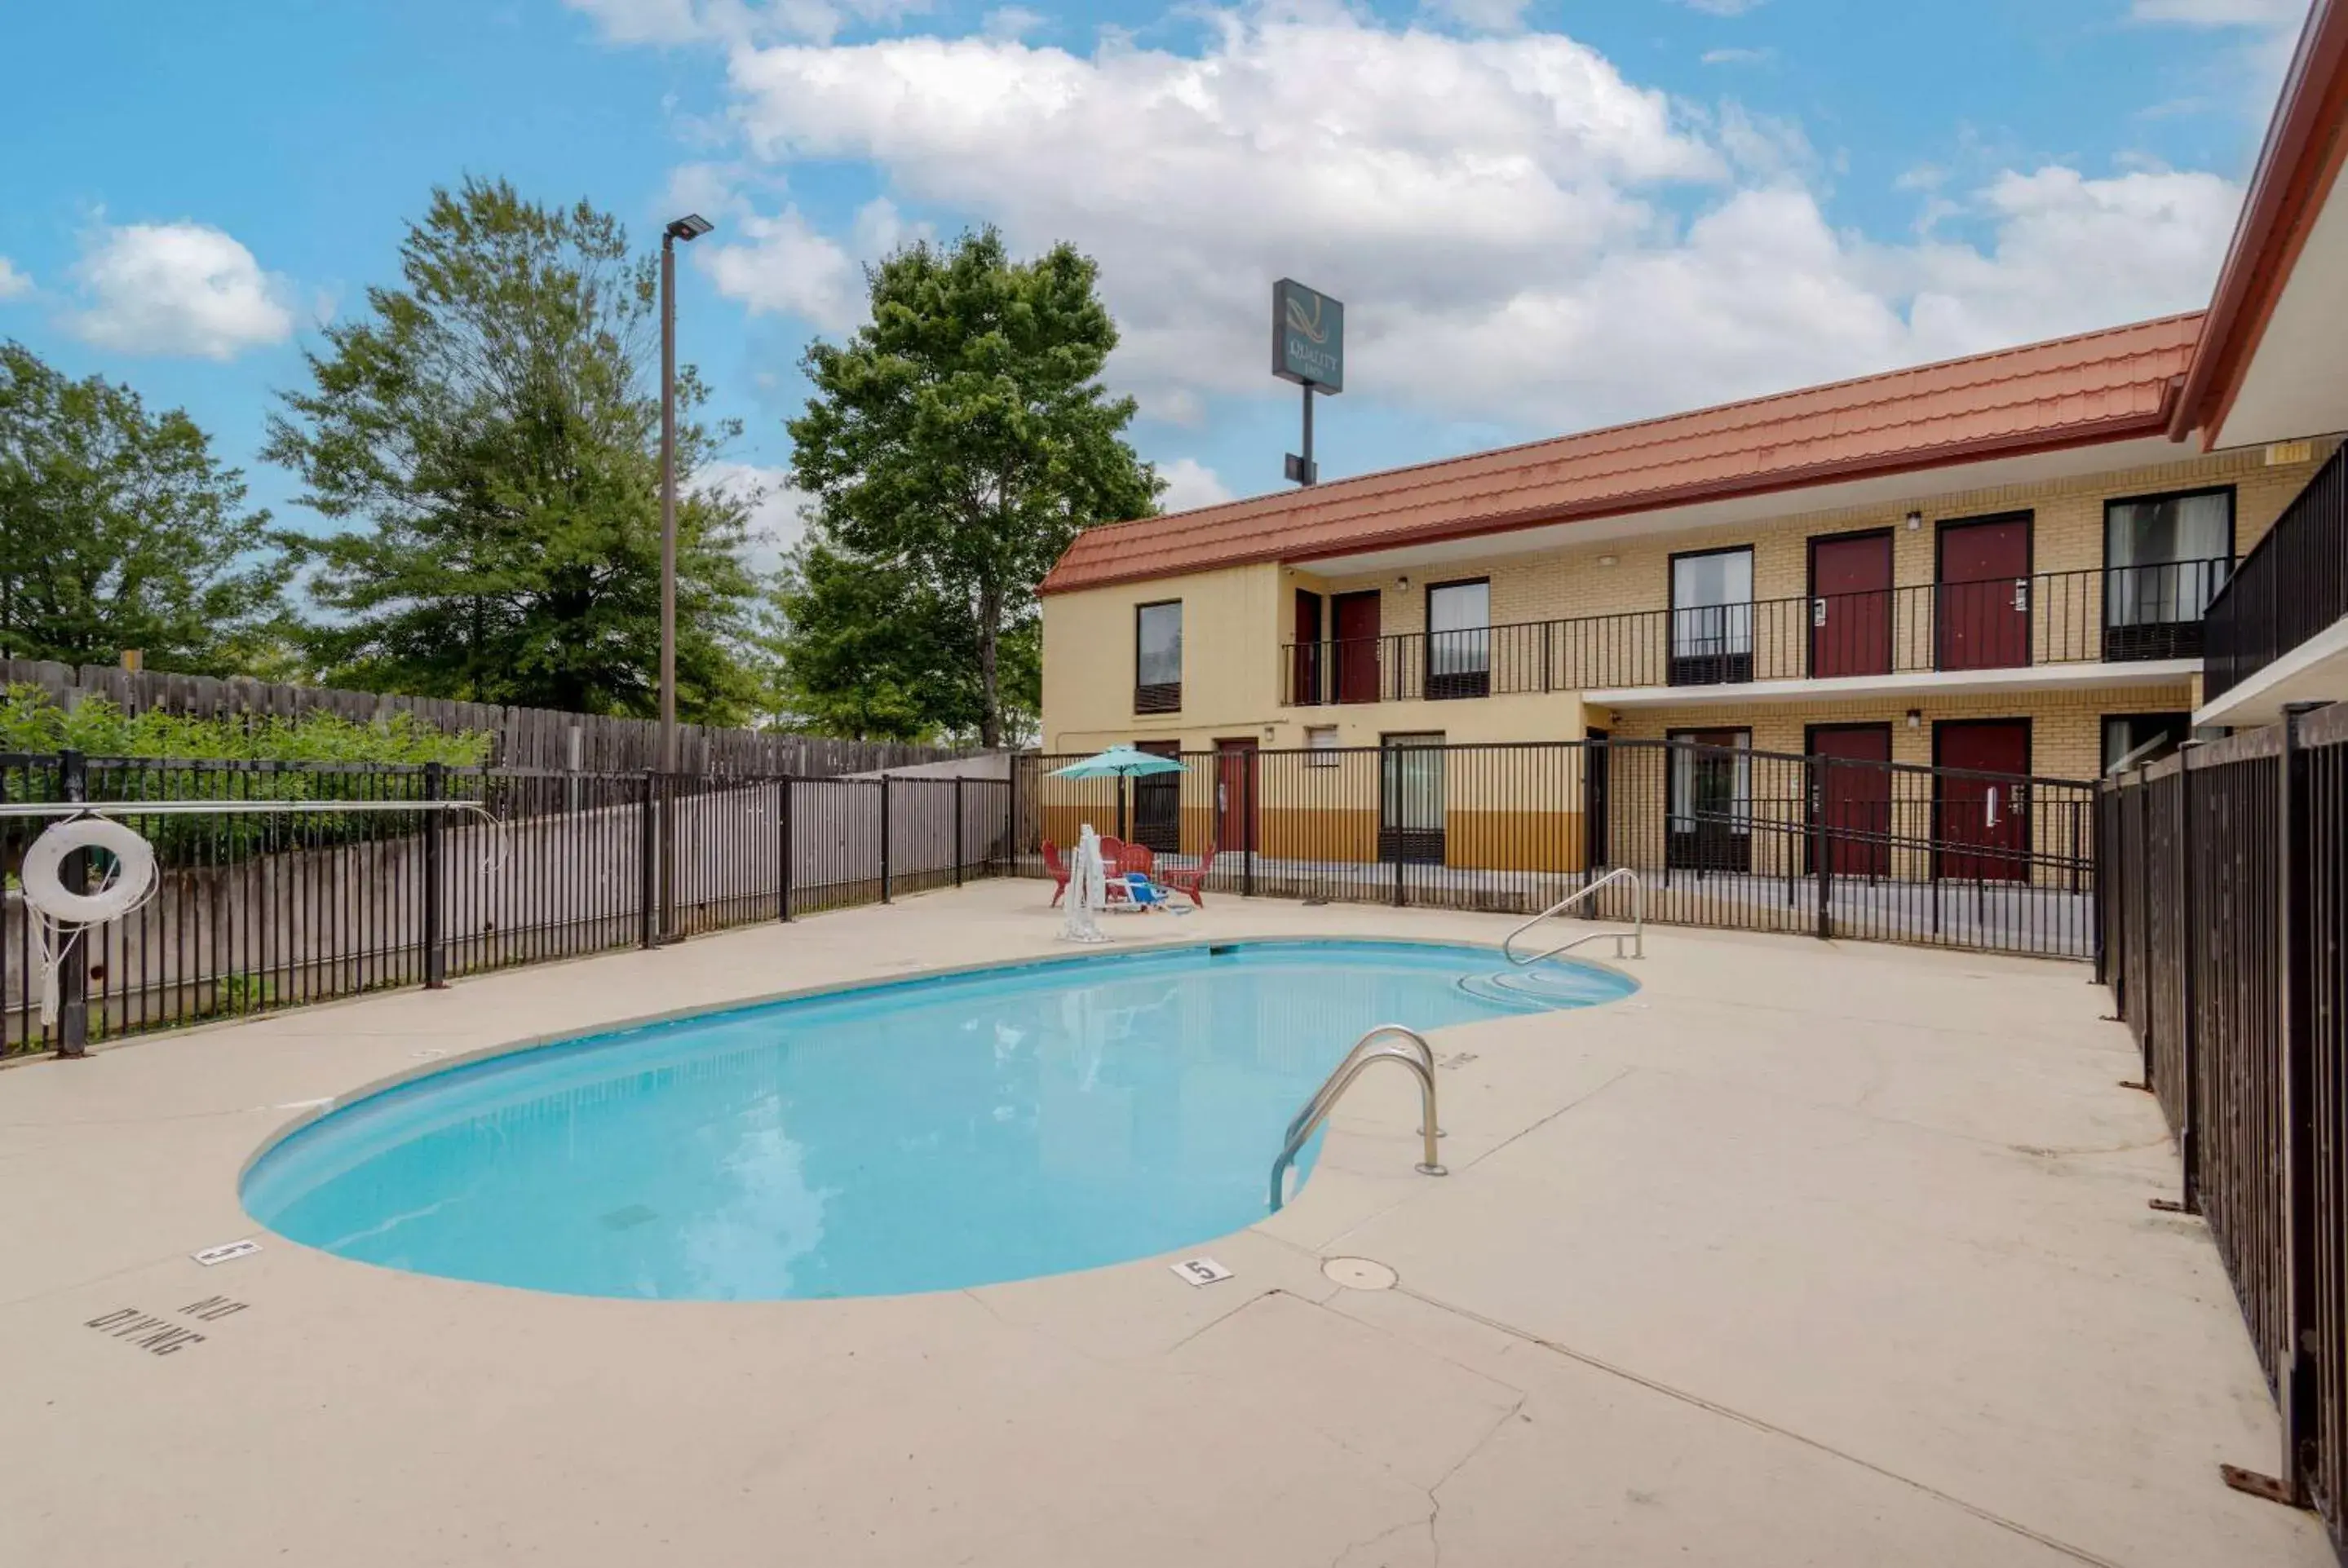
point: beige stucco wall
(1231, 632)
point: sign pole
(1308, 476)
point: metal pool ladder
(1387, 1042)
(1636, 936)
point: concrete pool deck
(1809, 1252)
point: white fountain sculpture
(1087, 892)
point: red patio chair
(1138, 857)
(1057, 871)
(1191, 881)
(1112, 853)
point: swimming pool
(912, 1135)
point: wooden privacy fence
(2226, 945)
(522, 737)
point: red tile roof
(2109, 385)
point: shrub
(31, 722)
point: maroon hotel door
(1356, 651)
(1850, 605)
(1305, 681)
(1235, 804)
(1984, 599)
(1982, 826)
(1854, 791)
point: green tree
(120, 529)
(864, 650)
(495, 423)
(962, 437)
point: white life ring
(124, 891)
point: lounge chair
(1141, 892)
(1057, 870)
(1191, 881)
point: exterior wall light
(1915, 521)
(1915, 718)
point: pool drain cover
(1359, 1273)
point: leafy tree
(120, 529)
(962, 437)
(863, 650)
(496, 424)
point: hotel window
(2165, 558)
(2132, 739)
(1157, 657)
(1712, 617)
(1710, 803)
(1321, 746)
(1459, 638)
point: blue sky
(1541, 216)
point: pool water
(918, 1135)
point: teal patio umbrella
(1120, 763)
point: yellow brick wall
(2066, 535)
(2066, 726)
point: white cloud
(777, 520)
(1404, 171)
(1485, 16)
(1721, 8)
(784, 266)
(741, 22)
(176, 289)
(1012, 22)
(1738, 56)
(2220, 13)
(1191, 483)
(1498, 212)
(12, 281)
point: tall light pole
(690, 227)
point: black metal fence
(1755, 840)
(2292, 585)
(291, 901)
(2227, 948)
(2115, 613)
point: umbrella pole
(1120, 806)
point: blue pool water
(919, 1136)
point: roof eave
(2120, 427)
(2296, 169)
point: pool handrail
(1636, 936)
(1396, 1031)
(1366, 1051)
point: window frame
(1158, 696)
(1448, 683)
(2154, 634)
(1724, 665)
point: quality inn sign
(1308, 336)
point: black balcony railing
(2095, 615)
(2291, 585)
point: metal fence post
(648, 850)
(1248, 826)
(2296, 1386)
(884, 839)
(957, 789)
(436, 953)
(1821, 849)
(2188, 914)
(790, 853)
(73, 875)
(1010, 815)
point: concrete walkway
(1807, 1254)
